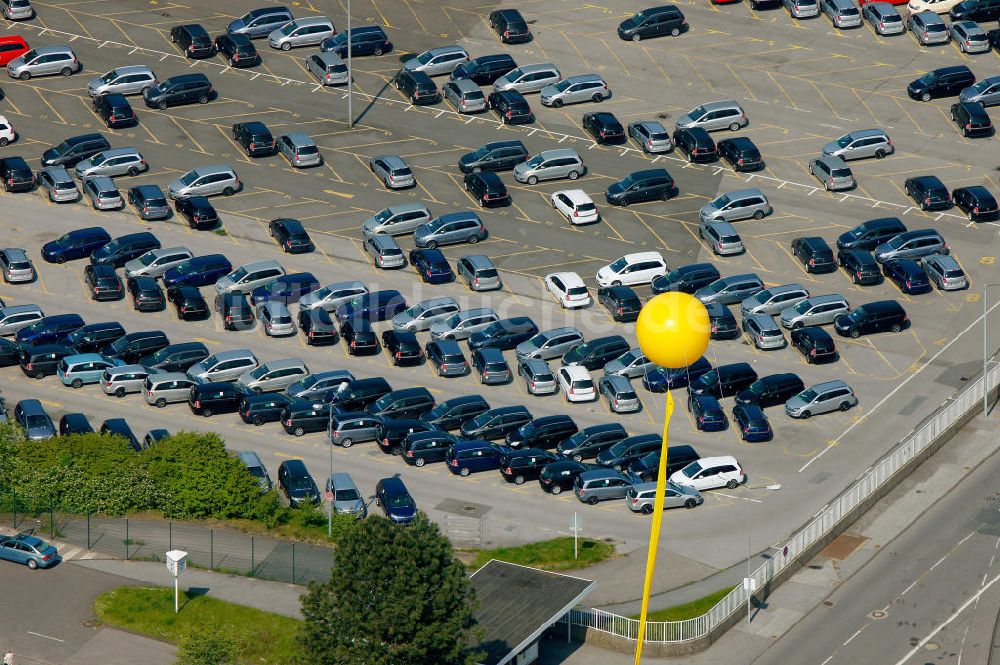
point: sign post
(575, 527)
(176, 564)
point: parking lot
(801, 83)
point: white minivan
(710, 473)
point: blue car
(77, 244)
(49, 330)
(285, 289)
(432, 266)
(376, 306)
(907, 275)
(753, 424)
(199, 271)
(660, 379)
(27, 549)
(470, 456)
(395, 501)
(84, 368)
(708, 414)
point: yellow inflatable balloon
(673, 329)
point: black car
(544, 432)
(431, 265)
(10, 353)
(359, 336)
(977, 202)
(147, 296)
(115, 111)
(590, 441)
(300, 417)
(417, 87)
(686, 279)
(183, 89)
(814, 254)
(296, 483)
(752, 423)
(626, 451)
(198, 211)
(405, 403)
(236, 312)
(928, 192)
(193, 40)
(487, 189)
(976, 10)
(365, 40)
(943, 82)
(291, 236)
(678, 457)
(972, 119)
(485, 69)
(207, 399)
(653, 22)
(860, 265)
(505, 334)
(420, 448)
(495, 156)
(94, 336)
(188, 302)
(447, 358)
(723, 381)
(558, 477)
(103, 282)
(124, 248)
(771, 390)
(238, 50)
(41, 360)
(517, 466)
(17, 176)
(870, 234)
(175, 357)
(650, 185)
(907, 275)
(696, 144)
(741, 153)
(495, 423)
(255, 138)
(132, 347)
(994, 36)
(392, 433)
(403, 347)
(317, 327)
(597, 352)
(74, 423)
(511, 107)
(149, 201)
(604, 127)
(621, 302)
(872, 317)
(74, 150)
(119, 427)
(450, 414)
(510, 26)
(263, 408)
(815, 344)
(723, 323)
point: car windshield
(721, 201)
(399, 500)
(416, 310)
(302, 484)
(340, 38)
(189, 177)
(120, 344)
(110, 76)
(258, 372)
(619, 265)
(347, 495)
(691, 470)
(802, 307)
(562, 85)
(807, 395)
(424, 57)
(514, 74)
(716, 286)
(36, 421)
(697, 112)
(238, 274)
(288, 28)
(982, 86)
(257, 472)
(147, 258)
(709, 378)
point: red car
(11, 46)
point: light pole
(350, 86)
(774, 488)
(329, 478)
(986, 351)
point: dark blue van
(49, 330)
(286, 289)
(124, 248)
(377, 306)
(471, 456)
(660, 380)
(77, 244)
(395, 500)
(119, 427)
(199, 271)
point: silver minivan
(205, 181)
(843, 13)
(550, 165)
(461, 325)
(328, 67)
(479, 272)
(464, 95)
(44, 61)
(223, 366)
(397, 220)
(301, 32)
(741, 204)
(346, 497)
(385, 251)
(167, 388)
(438, 61)
(332, 296)
(550, 344)
(103, 194)
(299, 149)
(912, 245)
(155, 262)
(273, 376)
(986, 91)
(17, 10)
(860, 144)
(721, 236)
(928, 28)
(814, 311)
(713, 116)
(821, 398)
(763, 332)
(575, 89)
(528, 78)
(802, 8)
(730, 290)
(774, 300)
(424, 314)
(114, 162)
(260, 22)
(15, 317)
(249, 276)
(125, 379)
(129, 80)
(833, 172)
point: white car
(7, 133)
(576, 384)
(631, 269)
(936, 6)
(575, 206)
(710, 473)
(569, 289)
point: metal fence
(949, 413)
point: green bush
(204, 646)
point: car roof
(832, 162)
(328, 58)
(538, 67)
(393, 485)
(392, 161)
(569, 279)
(750, 191)
(764, 321)
(635, 257)
(312, 20)
(576, 196)
(490, 354)
(15, 253)
(451, 48)
(829, 385)
(342, 480)
(300, 139)
(718, 460)
(722, 227)
(274, 306)
(84, 358)
(945, 261)
(44, 50)
(721, 104)
(464, 85)
(479, 261)
(559, 153)
(31, 406)
(617, 381)
(575, 371)
(580, 78)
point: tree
(396, 596)
(206, 647)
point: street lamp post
(774, 488)
(329, 488)
(350, 79)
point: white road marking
(48, 637)
(858, 632)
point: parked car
(296, 483)
(815, 344)
(452, 413)
(641, 497)
(395, 500)
(945, 272)
(24, 547)
(821, 398)
(977, 202)
(34, 420)
(178, 90)
(874, 317)
(237, 50)
(653, 22)
(621, 302)
(592, 487)
(575, 89)
(711, 473)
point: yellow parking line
(61, 120)
(188, 134)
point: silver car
(59, 184)
(550, 344)
(463, 324)
(126, 379)
(538, 376)
(774, 300)
(883, 18)
(205, 181)
(576, 89)
(115, 162)
(721, 237)
(328, 67)
(985, 91)
(249, 276)
(273, 376)
(945, 272)
(275, 318)
(740, 204)
(315, 386)
(860, 144)
(44, 61)
(155, 262)
(970, 37)
(17, 10)
(397, 220)
(550, 165)
(346, 497)
(528, 78)
(764, 332)
(715, 116)
(651, 135)
(641, 497)
(423, 315)
(223, 366)
(464, 95)
(928, 28)
(821, 398)
(911, 245)
(832, 172)
(450, 229)
(260, 22)
(300, 150)
(438, 61)
(843, 13)
(15, 317)
(620, 394)
(631, 364)
(166, 388)
(730, 290)
(802, 8)
(479, 272)
(16, 266)
(392, 171)
(130, 80)
(332, 296)
(301, 32)
(385, 251)
(814, 311)
(102, 193)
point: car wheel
(378, 50)
(473, 239)
(532, 180)
(347, 443)
(25, 76)
(162, 106)
(518, 480)
(805, 415)
(299, 431)
(759, 214)
(646, 509)
(420, 461)
(636, 37)
(557, 103)
(855, 334)
(203, 99)
(160, 403)
(578, 457)
(556, 489)
(674, 32)
(287, 46)
(32, 564)
(464, 471)
(732, 484)
(76, 383)
(228, 191)
(207, 413)
(735, 127)
(597, 98)
(844, 406)
(3, 144)
(896, 328)
(432, 245)
(232, 63)
(880, 153)
(39, 374)
(592, 501)
(926, 97)
(573, 175)
(690, 503)
(133, 172)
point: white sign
(176, 562)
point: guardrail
(953, 410)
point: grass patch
(688, 610)
(260, 637)
(555, 554)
